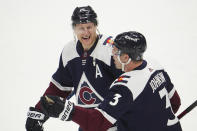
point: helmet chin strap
(123, 64)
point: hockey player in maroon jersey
(141, 99)
(86, 65)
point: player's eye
(117, 53)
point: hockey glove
(55, 106)
(35, 120)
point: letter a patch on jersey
(122, 79)
(98, 72)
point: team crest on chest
(86, 95)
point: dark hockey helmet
(131, 43)
(82, 15)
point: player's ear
(125, 57)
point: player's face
(123, 58)
(86, 34)
(116, 53)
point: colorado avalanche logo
(86, 95)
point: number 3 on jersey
(116, 99)
(163, 93)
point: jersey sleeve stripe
(62, 88)
(171, 93)
(107, 116)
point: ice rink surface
(34, 32)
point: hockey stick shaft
(187, 110)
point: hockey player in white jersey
(85, 66)
(141, 99)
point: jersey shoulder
(103, 50)
(69, 52)
(136, 80)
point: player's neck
(132, 65)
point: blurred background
(34, 32)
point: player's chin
(117, 66)
(87, 42)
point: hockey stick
(187, 110)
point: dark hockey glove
(35, 120)
(55, 106)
